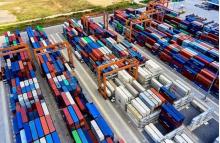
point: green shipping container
(76, 136)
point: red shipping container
(68, 118)
(29, 66)
(80, 104)
(79, 114)
(39, 109)
(92, 137)
(77, 91)
(208, 74)
(18, 89)
(84, 54)
(18, 107)
(93, 57)
(65, 99)
(21, 65)
(158, 95)
(44, 125)
(50, 123)
(109, 140)
(165, 57)
(188, 74)
(23, 115)
(13, 83)
(121, 141)
(177, 64)
(202, 80)
(97, 53)
(26, 55)
(29, 95)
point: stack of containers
(71, 100)
(97, 51)
(99, 31)
(210, 38)
(38, 37)
(170, 118)
(124, 49)
(188, 55)
(99, 126)
(72, 29)
(31, 118)
(12, 39)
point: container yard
(132, 76)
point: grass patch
(144, 1)
(30, 9)
(60, 20)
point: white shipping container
(152, 134)
(118, 82)
(153, 67)
(48, 76)
(179, 88)
(36, 85)
(156, 84)
(151, 98)
(44, 107)
(143, 105)
(70, 98)
(168, 141)
(112, 84)
(23, 136)
(159, 102)
(131, 89)
(43, 140)
(97, 131)
(59, 78)
(25, 97)
(109, 93)
(110, 87)
(124, 76)
(35, 80)
(147, 101)
(79, 57)
(68, 67)
(126, 92)
(159, 134)
(139, 108)
(137, 86)
(120, 97)
(134, 112)
(37, 141)
(179, 139)
(22, 84)
(186, 138)
(164, 80)
(63, 77)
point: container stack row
(149, 104)
(96, 51)
(195, 59)
(82, 118)
(32, 121)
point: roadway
(6, 120)
(115, 117)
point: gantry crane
(14, 50)
(53, 48)
(129, 64)
(145, 17)
(85, 20)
